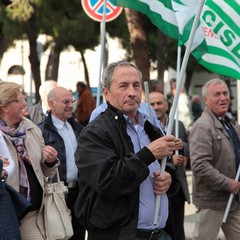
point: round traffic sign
(94, 9)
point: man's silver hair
(107, 76)
(208, 83)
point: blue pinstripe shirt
(147, 197)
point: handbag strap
(58, 177)
(58, 186)
(49, 179)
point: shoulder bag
(57, 216)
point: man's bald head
(61, 103)
(159, 104)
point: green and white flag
(160, 13)
(220, 21)
(163, 15)
(216, 45)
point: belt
(149, 234)
(72, 184)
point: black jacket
(180, 170)
(52, 138)
(109, 176)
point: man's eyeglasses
(66, 102)
(20, 100)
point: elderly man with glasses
(60, 130)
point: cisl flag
(216, 44)
(220, 23)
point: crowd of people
(117, 159)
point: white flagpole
(175, 99)
(102, 57)
(179, 50)
(238, 171)
(230, 198)
(148, 101)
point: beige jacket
(212, 161)
(34, 144)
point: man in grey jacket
(214, 153)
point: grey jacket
(36, 113)
(212, 160)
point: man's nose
(131, 91)
(155, 106)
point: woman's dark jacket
(13, 207)
(109, 176)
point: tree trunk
(138, 41)
(31, 30)
(53, 64)
(85, 69)
(3, 42)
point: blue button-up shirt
(70, 142)
(147, 198)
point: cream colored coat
(34, 144)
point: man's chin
(130, 109)
(132, 106)
(223, 109)
(68, 115)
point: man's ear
(50, 104)
(106, 93)
(204, 100)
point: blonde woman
(31, 159)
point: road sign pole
(101, 11)
(102, 56)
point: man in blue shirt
(119, 175)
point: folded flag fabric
(216, 44)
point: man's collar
(57, 122)
(228, 116)
(140, 119)
(114, 109)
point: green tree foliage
(67, 24)
(64, 21)
(20, 10)
(9, 29)
(23, 14)
(118, 28)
